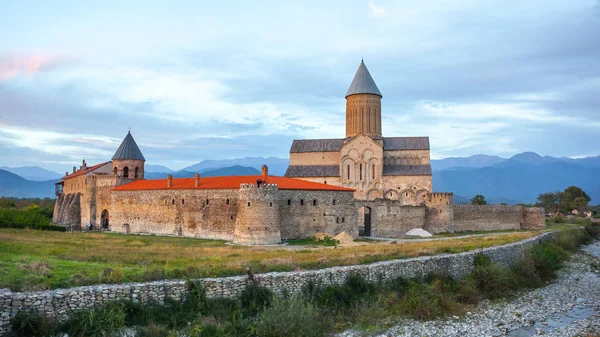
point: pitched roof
(88, 170)
(363, 83)
(316, 145)
(226, 183)
(406, 143)
(407, 170)
(313, 171)
(128, 150)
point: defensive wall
(248, 215)
(60, 303)
(496, 217)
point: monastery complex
(363, 184)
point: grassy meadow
(32, 259)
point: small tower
(363, 105)
(128, 161)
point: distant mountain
(32, 173)
(478, 160)
(458, 200)
(277, 166)
(224, 171)
(12, 185)
(519, 179)
(156, 168)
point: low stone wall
(60, 303)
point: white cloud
(376, 11)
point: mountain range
(519, 179)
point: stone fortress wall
(61, 302)
(496, 217)
(250, 215)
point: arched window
(227, 202)
(302, 202)
(368, 119)
(183, 201)
(360, 172)
(314, 202)
(173, 202)
(126, 172)
(334, 202)
(373, 171)
(207, 201)
(270, 204)
(289, 202)
(348, 171)
(137, 170)
(115, 170)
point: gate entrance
(364, 228)
(104, 219)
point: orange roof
(224, 183)
(81, 172)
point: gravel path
(567, 307)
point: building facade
(395, 168)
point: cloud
(13, 66)
(376, 11)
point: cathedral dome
(363, 83)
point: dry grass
(41, 260)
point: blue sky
(213, 80)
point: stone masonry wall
(439, 213)
(487, 217)
(304, 213)
(61, 302)
(194, 213)
(390, 219)
(533, 218)
(258, 215)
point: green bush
(101, 322)
(548, 258)
(255, 298)
(292, 316)
(593, 230)
(525, 271)
(343, 296)
(570, 240)
(425, 301)
(492, 280)
(32, 324)
(32, 218)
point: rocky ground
(569, 306)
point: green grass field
(46, 260)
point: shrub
(32, 324)
(343, 296)
(425, 301)
(492, 280)
(548, 258)
(526, 272)
(101, 322)
(593, 230)
(292, 316)
(21, 219)
(570, 240)
(255, 298)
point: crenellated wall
(439, 215)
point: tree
(7, 203)
(580, 204)
(478, 200)
(549, 201)
(577, 192)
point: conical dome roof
(363, 82)
(128, 150)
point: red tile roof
(81, 172)
(232, 182)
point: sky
(214, 80)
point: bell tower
(128, 161)
(363, 105)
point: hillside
(34, 173)
(277, 166)
(12, 185)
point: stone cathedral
(396, 168)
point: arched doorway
(364, 226)
(104, 219)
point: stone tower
(128, 161)
(363, 105)
(257, 219)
